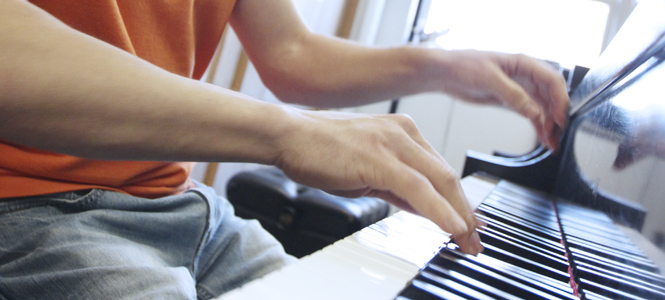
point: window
(569, 32)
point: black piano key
(524, 255)
(517, 196)
(522, 262)
(539, 212)
(581, 215)
(642, 289)
(544, 221)
(452, 286)
(573, 212)
(550, 248)
(554, 246)
(521, 224)
(581, 255)
(545, 208)
(594, 247)
(505, 268)
(509, 218)
(608, 291)
(589, 295)
(597, 236)
(601, 237)
(517, 285)
(622, 270)
(468, 281)
(628, 274)
(617, 256)
(585, 223)
(539, 222)
(520, 194)
(419, 290)
(605, 230)
(516, 272)
(540, 256)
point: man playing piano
(100, 103)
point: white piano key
(416, 256)
(369, 254)
(386, 266)
(476, 189)
(374, 263)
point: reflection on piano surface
(555, 223)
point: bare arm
(302, 67)
(64, 91)
(68, 92)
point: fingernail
(474, 241)
(532, 111)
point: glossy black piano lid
(612, 155)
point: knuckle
(449, 177)
(515, 98)
(401, 118)
(522, 57)
(406, 123)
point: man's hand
(528, 86)
(383, 156)
(301, 67)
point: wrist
(431, 68)
(285, 124)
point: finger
(554, 95)
(468, 242)
(393, 199)
(540, 131)
(369, 192)
(560, 99)
(513, 95)
(409, 126)
(411, 129)
(350, 193)
(406, 183)
(547, 88)
(422, 156)
(552, 132)
(446, 183)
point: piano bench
(302, 218)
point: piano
(564, 225)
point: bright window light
(569, 32)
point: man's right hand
(383, 156)
(58, 99)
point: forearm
(73, 94)
(327, 72)
(302, 67)
(67, 92)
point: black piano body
(551, 230)
(616, 125)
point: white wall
(451, 126)
(320, 16)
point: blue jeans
(98, 244)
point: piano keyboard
(528, 241)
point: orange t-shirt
(179, 36)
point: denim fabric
(105, 245)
